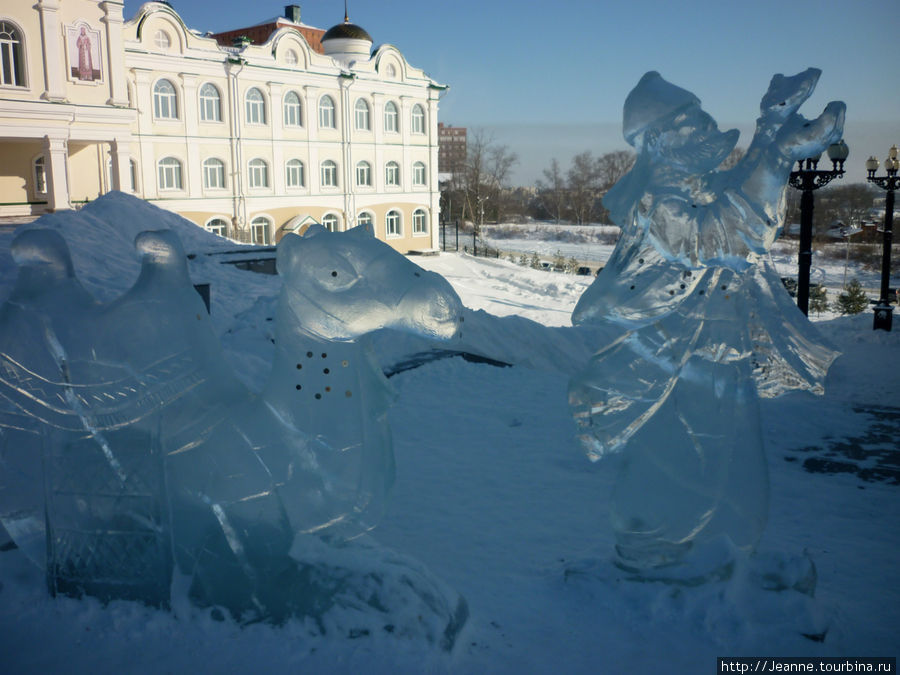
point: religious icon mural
(83, 47)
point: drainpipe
(238, 203)
(346, 81)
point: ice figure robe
(707, 325)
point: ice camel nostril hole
(299, 387)
(326, 371)
(334, 274)
(299, 366)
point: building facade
(248, 140)
(452, 148)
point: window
(133, 166)
(258, 172)
(210, 103)
(326, 113)
(165, 101)
(162, 40)
(361, 114)
(132, 170)
(419, 174)
(419, 226)
(169, 174)
(364, 174)
(392, 174)
(213, 173)
(290, 57)
(292, 116)
(391, 117)
(293, 172)
(218, 226)
(255, 107)
(329, 174)
(418, 119)
(11, 70)
(365, 218)
(40, 176)
(392, 224)
(330, 222)
(259, 230)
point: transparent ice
(707, 325)
(133, 451)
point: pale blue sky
(549, 78)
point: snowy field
(495, 496)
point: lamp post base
(883, 316)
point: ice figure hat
(652, 100)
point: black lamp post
(883, 310)
(808, 178)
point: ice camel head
(342, 285)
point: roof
(347, 30)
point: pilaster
(54, 57)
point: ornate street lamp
(883, 310)
(808, 178)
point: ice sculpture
(155, 458)
(708, 326)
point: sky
(548, 79)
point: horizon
(492, 85)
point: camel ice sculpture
(156, 458)
(708, 326)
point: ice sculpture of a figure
(156, 458)
(708, 326)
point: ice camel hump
(708, 326)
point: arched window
(419, 174)
(210, 103)
(169, 174)
(213, 173)
(329, 174)
(326, 113)
(292, 117)
(418, 119)
(420, 222)
(330, 222)
(217, 226)
(259, 230)
(365, 218)
(391, 117)
(392, 224)
(39, 168)
(255, 106)
(165, 101)
(392, 174)
(361, 115)
(258, 173)
(12, 71)
(364, 174)
(293, 172)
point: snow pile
(495, 497)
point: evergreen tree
(853, 300)
(818, 298)
(536, 261)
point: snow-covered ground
(495, 496)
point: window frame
(362, 114)
(294, 166)
(393, 221)
(331, 222)
(417, 228)
(165, 102)
(39, 175)
(417, 119)
(210, 165)
(12, 55)
(258, 173)
(210, 227)
(327, 113)
(328, 174)
(420, 174)
(363, 171)
(366, 218)
(291, 110)
(392, 174)
(255, 109)
(391, 118)
(166, 170)
(256, 223)
(209, 103)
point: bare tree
(487, 171)
(609, 170)
(582, 181)
(552, 193)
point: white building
(249, 140)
